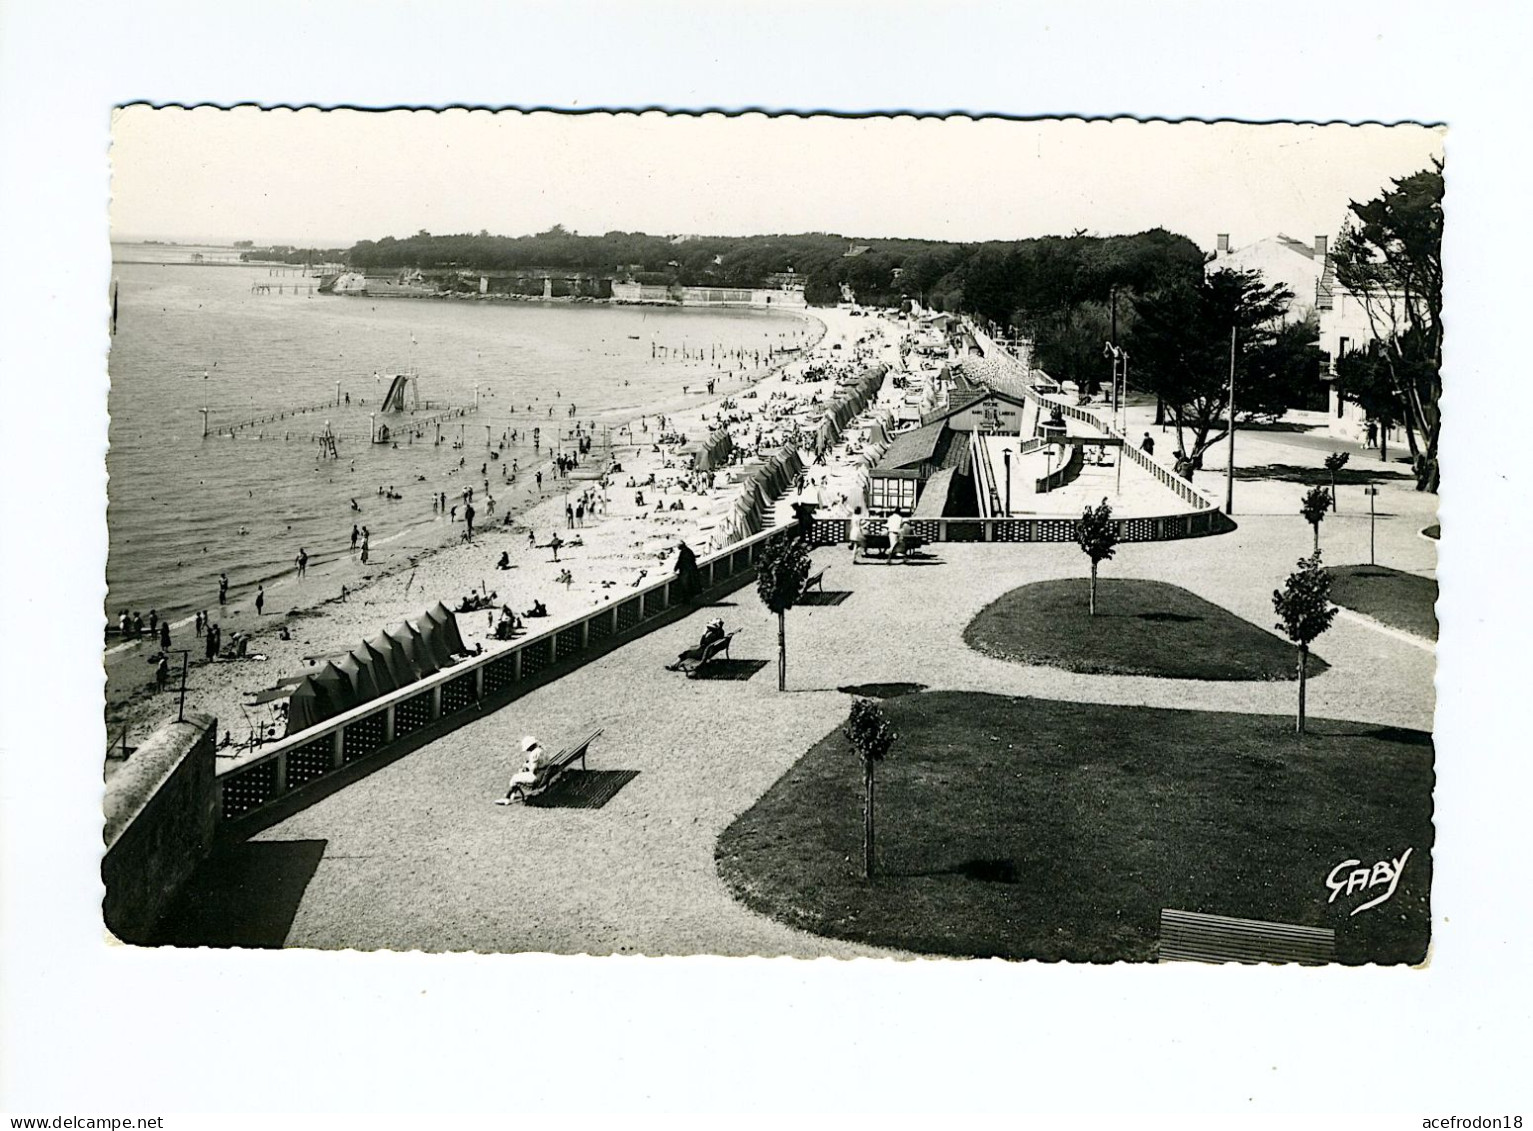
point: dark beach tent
(444, 617)
(358, 671)
(409, 645)
(395, 658)
(377, 666)
(334, 683)
(431, 636)
(309, 705)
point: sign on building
(988, 415)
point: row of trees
(1389, 257)
(1070, 294)
(1303, 607)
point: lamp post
(1006, 454)
(1119, 357)
(1371, 492)
(1229, 471)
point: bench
(710, 652)
(551, 771)
(814, 581)
(1190, 936)
(880, 542)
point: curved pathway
(416, 856)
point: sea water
(183, 507)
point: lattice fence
(534, 658)
(249, 789)
(628, 614)
(499, 674)
(309, 761)
(458, 694)
(411, 714)
(362, 738)
(567, 642)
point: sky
(331, 178)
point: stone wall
(160, 809)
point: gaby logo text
(1385, 872)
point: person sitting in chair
(528, 774)
(712, 634)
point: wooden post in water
(204, 422)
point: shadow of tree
(1319, 476)
(881, 690)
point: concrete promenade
(416, 856)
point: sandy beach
(615, 548)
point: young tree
(780, 577)
(1363, 377)
(1334, 463)
(1316, 502)
(1389, 257)
(1181, 351)
(1098, 538)
(1304, 610)
(871, 736)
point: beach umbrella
(359, 674)
(444, 617)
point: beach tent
(716, 450)
(417, 655)
(308, 706)
(333, 681)
(396, 662)
(444, 617)
(431, 635)
(358, 672)
(377, 667)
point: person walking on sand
(302, 561)
(223, 588)
(355, 534)
(468, 520)
(260, 599)
(165, 635)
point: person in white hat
(712, 634)
(528, 774)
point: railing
(1030, 528)
(1065, 473)
(279, 769)
(1167, 476)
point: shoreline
(321, 623)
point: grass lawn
(1141, 628)
(1028, 828)
(1400, 600)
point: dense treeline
(282, 253)
(1062, 291)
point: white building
(1306, 269)
(1280, 259)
